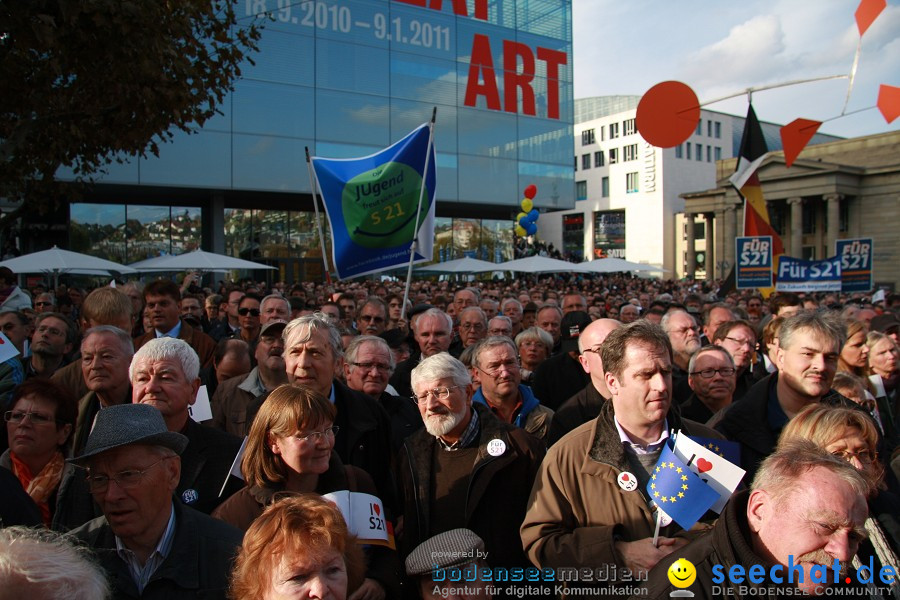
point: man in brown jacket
(588, 506)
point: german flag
(746, 181)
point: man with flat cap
(148, 543)
(460, 549)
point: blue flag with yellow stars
(730, 451)
(678, 492)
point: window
(613, 131)
(678, 151)
(630, 152)
(699, 126)
(688, 148)
(604, 187)
(709, 154)
(809, 218)
(585, 161)
(718, 153)
(628, 127)
(718, 130)
(603, 133)
(699, 149)
(613, 156)
(599, 158)
(709, 126)
(581, 190)
(587, 137)
(631, 182)
(576, 163)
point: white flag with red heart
(721, 475)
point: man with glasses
(45, 302)
(466, 468)
(161, 298)
(711, 375)
(368, 364)
(372, 316)
(233, 396)
(496, 369)
(685, 339)
(149, 544)
(472, 327)
(739, 339)
(165, 374)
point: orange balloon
(668, 114)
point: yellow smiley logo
(682, 573)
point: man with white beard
(466, 468)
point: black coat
(577, 410)
(205, 465)
(557, 379)
(198, 565)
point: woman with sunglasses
(248, 319)
(40, 427)
(290, 450)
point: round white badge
(627, 481)
(496, 447)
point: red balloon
(668, 114)
(531, 191)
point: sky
(723, 47)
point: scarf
(41, 486)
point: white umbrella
(618, 265)
(461, 265)
(541, 264)
(198, 260)
(56, 261)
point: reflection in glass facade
(347, 78)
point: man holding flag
(589, 505)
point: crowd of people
(502, 426)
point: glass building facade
(346, 78)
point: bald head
(589, 346)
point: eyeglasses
(43, 304)
(740, 342)
(126, 480)
(468, 326)
(595, 349)
(863, 456)
(253, 312)
(368, 366)
(328, 433)
(370, 318)
(17, 416)
(709, 373)
(493, 369)
(439, 393)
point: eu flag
(372, 203)
(678, 492)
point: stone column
(689, 244)
(728, 238)
(710, 246)
(834, 222)
(796, 247)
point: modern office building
(346, 78)
(628, 192)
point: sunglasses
(253, 312)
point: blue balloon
(533, 215)
(531, 229)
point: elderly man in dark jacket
(149, 544)
(466, 468)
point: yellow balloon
(521, 231)
(527, 204)
(519, 216)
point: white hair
(167, 348)
(49, 566)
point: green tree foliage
(86, 82)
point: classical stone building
(836, 190)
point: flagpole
(414, 246)
(314, 186)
